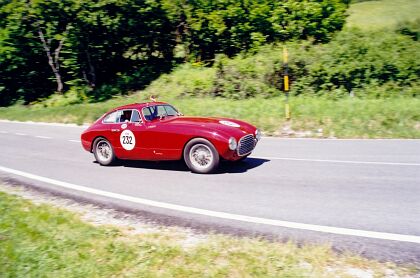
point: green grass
(343, 118)
(45, 241)
(374, 15)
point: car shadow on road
(225, 167)
(153, 165)
(229, 167)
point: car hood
(230, 126)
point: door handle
(115, 130)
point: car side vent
(246, 145)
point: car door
(132, 139)
(162, 143)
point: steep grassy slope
(372, 15)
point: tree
(125, 44)
(232, 26)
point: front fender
(220, 141)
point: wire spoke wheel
(104, 153)
(201, 156)
(104, 150)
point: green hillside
(373, 15)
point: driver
(125, 117)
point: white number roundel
(127, 140)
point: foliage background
(357, 77)
(107, 47)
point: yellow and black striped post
(286, 83)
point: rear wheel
(103, 151)
(201, 156)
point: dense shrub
(410, 28)
(355, 62)
(244, 77)
(356, 59)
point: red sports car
(157, 131)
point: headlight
(233, 144)
(258, 134)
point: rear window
(122, 116)
(112, 117)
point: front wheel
(201, 156)
(103, 151)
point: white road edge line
(20, 134)
(223, 215)
(337, 161)
(43, 137)
(75, 141)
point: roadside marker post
(286, 83)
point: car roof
(138, 106)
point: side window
(135, 117)
(161, 110)
(152, 112)
(112, 117)
(147, 114)
(125, 116)
(170, 111)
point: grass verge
(45, 241)
(311, 116)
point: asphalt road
(363, 186)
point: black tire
(103, 152)
(201, 156)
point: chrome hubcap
(103, 151)
(201, 156)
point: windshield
(159, 111)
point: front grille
(246, 145)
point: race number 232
(127, 140)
